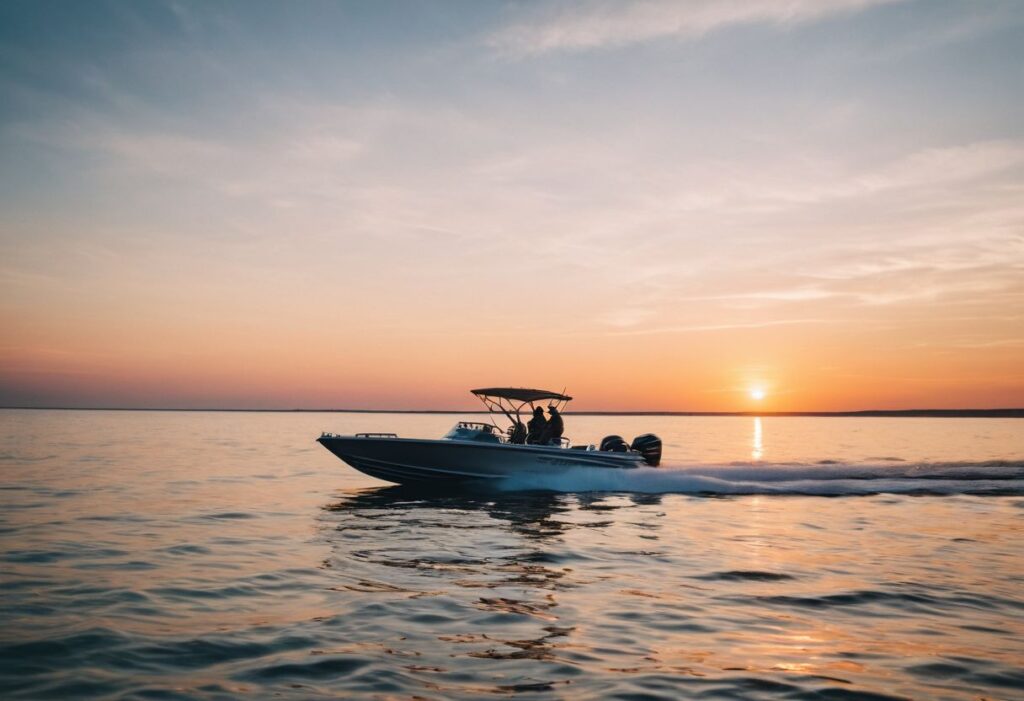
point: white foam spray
(834, 479)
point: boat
(475, 451)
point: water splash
(827, 478)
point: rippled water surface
(158, 555)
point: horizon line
(1002, 412)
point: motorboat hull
(411, 460)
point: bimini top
(520, 394)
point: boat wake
(827, 478)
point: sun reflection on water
(757, 446)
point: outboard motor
(649, 446)
(614, 444)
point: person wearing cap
(537, 426)
(555, 426)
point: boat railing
(477, 425)
(327, 434)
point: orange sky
(201, 211)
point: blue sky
(197, 185)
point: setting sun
(757, 394)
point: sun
(756, 393)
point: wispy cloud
(800, 182)
(580, 25)
(701, 328)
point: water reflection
(485, 571)
(528, 514)
(757, 446)
(473, 594)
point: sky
(778, 205)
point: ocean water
(166, 555)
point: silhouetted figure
(555, 426)
(517, 433)
(537, 426)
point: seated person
(517, 433)
(555, 426)
(536, 427)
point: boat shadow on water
(491, 571)
(466, 541)
(526, 513)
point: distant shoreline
(868, 413)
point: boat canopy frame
(510, 401)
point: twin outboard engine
(648, 445)
(614, 444)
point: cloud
(700, 328)
(801, 182)
(581, 25)
(804, 237)
(940, 166)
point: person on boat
(555, 426)
(517, 433)
(537, 426)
